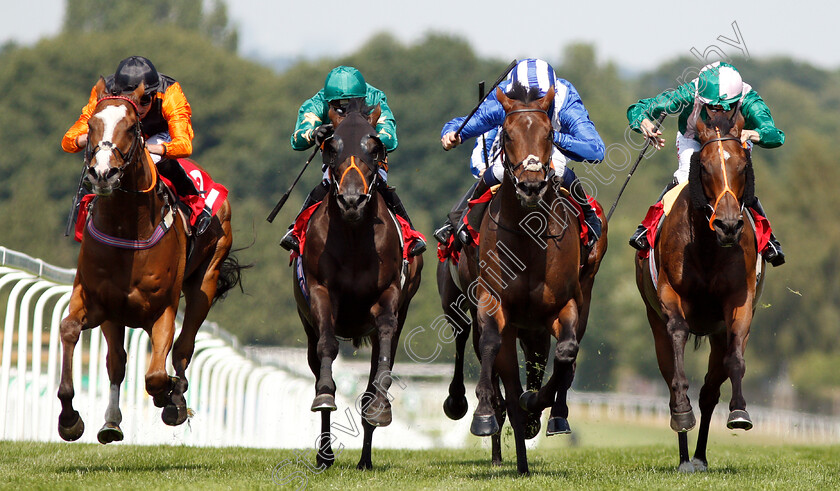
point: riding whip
(286, 196)
(632, 170)
(492, 88)
(71, 216)
(483, 139)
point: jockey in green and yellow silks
(718, 87)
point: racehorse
(706, 285)
(136, 275)
(359, 286)
(520, 286)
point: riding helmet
(344, 82)
(133, 70)
(719, 84)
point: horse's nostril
(111, 172)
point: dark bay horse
(136, 277)
(521, 287)
(706, 284)
(353, 265)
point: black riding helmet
(133, 70)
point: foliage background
(244, 113)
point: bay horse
(136, 277)
(706, 285)
(352, 262)
(521, 288)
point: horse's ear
(373, 117)
(99, 88)
(737, 125)
(504, 100)
(547, 99)
(139, 91)
(703, 131)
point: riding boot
(289, 241)
(393, 201)
(474, 214)
(639, 238)
(593, 221)
(773, 251)
(445, 231)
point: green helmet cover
(344, 82)
(719, 84)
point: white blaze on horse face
(109, 116)
(532, 163)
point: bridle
(726, 189)
(508, 166)
(375, 165)
(129, 157)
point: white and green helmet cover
(719, 84)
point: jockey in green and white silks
(718, 87)
(342, 84)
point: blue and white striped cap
(532, 72)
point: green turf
(731, 466)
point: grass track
(732, 466)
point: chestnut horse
(520, 286)
(706, 284)
(136, 277)
(358, 284)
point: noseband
(137, 143)
(726, 188)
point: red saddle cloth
(654, 216)
(299, 231)
(211, 196)
(448, 251)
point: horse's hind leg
(535, 346)
(70, 423)
(455, 406)
(158, 383)
(709, 397)
(115, 363)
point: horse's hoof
(532, 427)
(162, 399)
(455, 407)
(323, 402)
(528, 401)
(557, 426)
(377, 416)
(324, 462)
(699, 465)
(364, 465)
(484, 425)
(73, 431)
(686, 467)
(109, 433)
(682, 422)
(174, 415)
(739, 420)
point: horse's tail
(230, 276)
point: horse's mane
(522, 93)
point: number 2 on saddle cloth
(193, 186)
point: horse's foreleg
(70, 423)
(565, 358)
(325, 458)
(377, 410)
(115, 364)
(455, 406)
(738, 332)
(670, 338)
(158, 383)
(326, 347)
(491, 323)
(709, 396)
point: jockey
(718, 87)
(313, 127)
(165, 119)
(575, 138)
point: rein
(726, 188)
